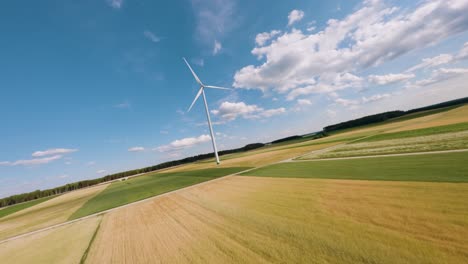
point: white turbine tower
(202, 91)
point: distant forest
(372, 119)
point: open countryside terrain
(406, 209)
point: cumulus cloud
(229, 111)
(304, 102)
(136, 149)
(439, 75)
(262, 38)
(374, 98)
(53, 152)
(389, 78)
(441, 59)
(151, 36)
(184, 143)
(346, 102)
(463, 54)
(216, 47)
(294, 16)
(117, 4)
(31, 161)
(299, 63)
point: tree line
(377, 118)
(24, 197)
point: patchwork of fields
(401, 209)
(265, 220)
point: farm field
(264, 220)
(53, 211)
(446, 167)
(437, 142)
(65, 244)
(120, 193)
(17, 207)
(402, 209)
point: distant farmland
(401, 209)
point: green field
(446, 141)
(17, 207)
(417, 132)
(120, 193)
(447, 167)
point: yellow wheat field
(263, 220)
(256, 158)
(64, 244)
(54, 211)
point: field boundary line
(385, 155)
(123, 206)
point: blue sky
(99, 86)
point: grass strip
(445, 167)
(139, 188)
(18, 207)
(85, 254)
(417, 132)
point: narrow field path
(382, 155)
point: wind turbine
(202, 92)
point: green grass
(447, 167)
(120, 193)
(17, 207)
(417, 132)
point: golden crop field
(65, 244)
(453, 116)
(257, 158)
(263, 220)
(54, 211)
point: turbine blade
(193, 73)
(217, 87)
(196, 97)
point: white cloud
(295, 16)
(136, 149)
(439, 75)
(91, 163)
(304, 102)
(31, 161)
(200, 62)
(432, 62)
(389, 78)
(53, 152)
(374, 98)
(229, 111)
(151, 36)
(442, 59)
(213, 19)
(101, 171)
(184, 143)
(346, 102)
(300, 63)
(216, 47)
(328, 83)
(63, 176)
(117, 4)
(463, 54)
(262, 38)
